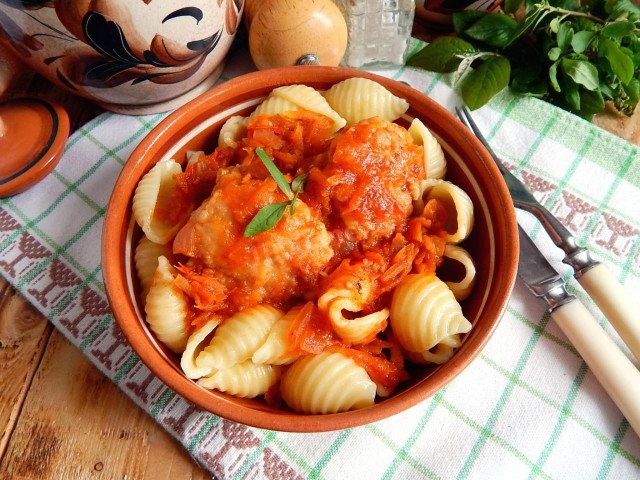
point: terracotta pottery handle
(10, 67)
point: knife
(615, 372)
(617, 305)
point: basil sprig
(574, 55)
(269, 216)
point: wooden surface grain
(23, 337)
(60, 418)
(76, 424)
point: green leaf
(464, 19)
(553, 76)
(274, 172)
(494, 29)
(620, 63)
(618, 9)
(582, 72)
(618, 29)
(512, 6)
(554, 25)
(537, 88)
(532, 17)
(565, 35)
(633, 89)
(633, 92)
(484, 82)
(571, 94)
(606, 90)
(266, 218)
(299, 182)
(581, 40)
(292, 208)
(526, 74)
(591, 102)
(442, 55)
(554, 54)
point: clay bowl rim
(142, 157)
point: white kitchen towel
(527, 407)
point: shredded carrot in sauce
(353, 228)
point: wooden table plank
(76, 424)
(23, 337)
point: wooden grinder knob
(250, 9)
(283, 31)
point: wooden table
(45, 381)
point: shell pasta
(357, 99)
(166, 308)
(275, 350)
(245, 379)
(424, 312)
(462, 288)
(146, 261)
(152, 190)
(327, 383)
(299, 260)
(237, 339)
(435, 165)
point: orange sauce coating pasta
(353, 221)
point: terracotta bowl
(493, 243)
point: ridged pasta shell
(458, 204)
(274, 350)
(195, 344)
(352, 330)
(355, 330)
(273, 105)
(461, 289)
(424, 312)
(193, 156)
(327, 383)
(439, 354)
(166, 308)
(239, 336)
(435, 165)
(245, 379)
(156, 182)
(357, 99)
(146, 261)
(233, 130)
(308, 98)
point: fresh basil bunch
(574, 56)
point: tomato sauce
(353, 223)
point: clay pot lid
(32, 137)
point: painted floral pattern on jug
(93, 45)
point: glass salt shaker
(378, 31)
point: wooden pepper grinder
(288, 32)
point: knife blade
(538, 274)
(617, 305)
(615, 372)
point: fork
(616, 304)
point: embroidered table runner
(527, 407)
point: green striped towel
(527, 407)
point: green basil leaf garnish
(274, 172)
(266, 218)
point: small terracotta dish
(493, 242)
